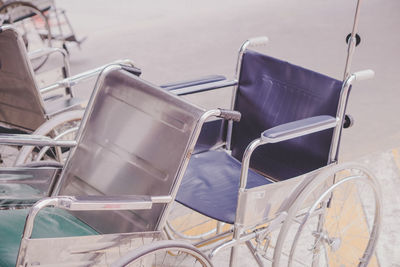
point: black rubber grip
(348, 121)
(358, 39)
(230, 114)
(133, 70)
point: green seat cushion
(49, 223)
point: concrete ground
(180, 39)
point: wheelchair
(272, 181)
(52, 110)
(274, 176)
(114, 192)
(109, 204)
(41, 24)
(269, 169)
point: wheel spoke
(340, 241)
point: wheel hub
(333, 242)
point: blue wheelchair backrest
(272, 92)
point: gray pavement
(181, 39)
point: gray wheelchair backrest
(133, 141)
(20, 101)
(272, 92)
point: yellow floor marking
(351, 243)
(396, 157)
(195, 224)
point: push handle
(258, 41)
(230, 114)
(364, 75)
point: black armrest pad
(183, 84)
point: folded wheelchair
(52, 110)
(41, 25)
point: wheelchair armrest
(199, 85)
(91, 203)
(47, 51)
(285, 132)
(73, 80)
(106, 203)
(298, 128)
(183, 84)
(34, 140)
(132, 202)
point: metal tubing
(298, 128)
(102, 75)
(161, 199)
(203, 87)
(71, 81)
(106, 203)
(233, 242)
(28, 228)
(34, 140)
(235, 88)
(81, 204)
(51, 50)
(191, 145)
(255, 42)
(253, 251)
(246, 162)
(340, 115)
(352, 43)
(237, 232)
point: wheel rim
(163, 254)
(340, 229)
(62, 127)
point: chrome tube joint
(34, 140)
(73, 80)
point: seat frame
(29, 251)
(41, 113)
(274, 211)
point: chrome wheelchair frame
(42, 111)
(286, 208)
(258, 215)
(117, 90)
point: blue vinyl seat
(217, 173)
(270, 92)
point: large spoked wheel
(334, 222)
(165, 253)
(32, 24)
(60, 127)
